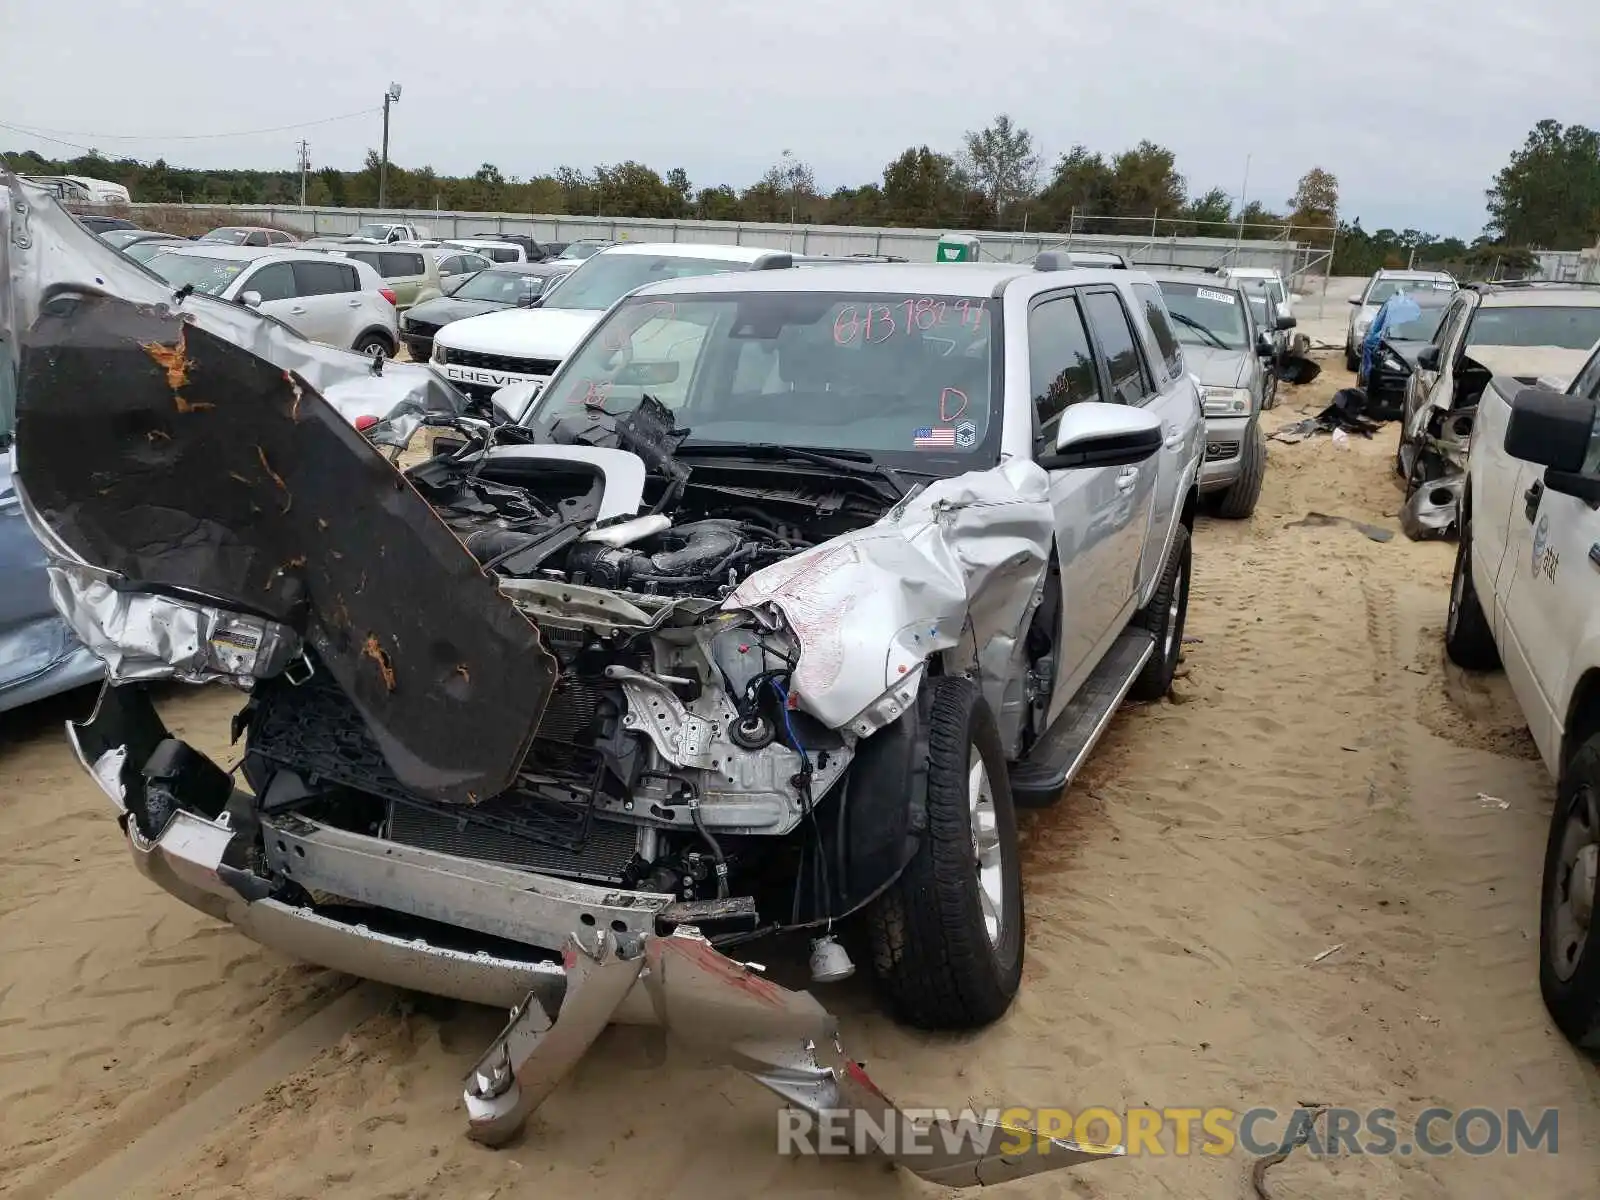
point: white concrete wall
(914, 244)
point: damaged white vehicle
(759, 639)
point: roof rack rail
(1530, 284)
(780, 260)
(1053, 260)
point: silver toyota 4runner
(760, 635)
(1230, 355)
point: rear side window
(504, 254)
(325, 278)
(1155, 312)
(1110, 323)
(275, 281)
(256, 238)
(1587, 384)
(400, 266)
(1061, 368)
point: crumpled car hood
(184, 446)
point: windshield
(1384, 288)
(121, 237)
(581, 250)
(1563, 328)
(227, 237)
(380, 232)
(604, 279)
(145, 251)
(501, 287)
(1206, 316)
(200, 271)
(890, 374)
(1425, 324)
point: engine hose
(711, 844)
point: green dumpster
(957, 247)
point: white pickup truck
(389, 231)
(1526, 593)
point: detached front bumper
(623, 959)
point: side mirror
(1551, 429)
(1095, 434)
(251, 299)
(1428, 358)
(1283, 323)
(1356, 299)
(511, 401)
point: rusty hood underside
(157, 447)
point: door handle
(1127, 478)
(1531, 499)
(1174, 439)
(354, 303)
(1594, 554)
(298, 311)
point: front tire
(1468, 637)
(1239, 501)
(1352, 360)
(1569, 931)
(1164, 618)
(947, 936)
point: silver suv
(1230, 355)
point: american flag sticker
(935, 438)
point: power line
(46, 134)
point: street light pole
(392, 96)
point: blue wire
(788, 724)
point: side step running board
(1059, 755)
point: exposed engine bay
(670, 737)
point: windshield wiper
(1204, 331)
(846, 462)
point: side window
(401, 266)
(454, 265)
(324, 278)
(1061, 369)
(1110, 323)
(1587, 384)
(1155, 312)
(256, 238)
(275, 281)
(503, 255)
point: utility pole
(305, 165)
(1238, 243)
(392, 96)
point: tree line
(1547, 196)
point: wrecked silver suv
(754, 623)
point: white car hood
(521, 332)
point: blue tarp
(1396, 310)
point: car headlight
(1225, 402)
(1363, 324)
(405, 322)
(438, 352)
(1393, 362)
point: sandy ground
(1314, 782)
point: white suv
(341, 302)
(1526, 593)
(481, 355)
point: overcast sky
(1414, 106)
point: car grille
(1216, 451)
(500, 362)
